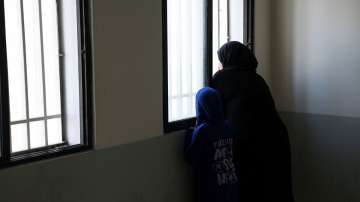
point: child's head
(208, 106)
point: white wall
(263, 37)
(315, 68)
(315, 56)
(128, 70)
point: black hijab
(236, 55)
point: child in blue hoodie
(210, 151)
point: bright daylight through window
(186, 55)
(45, 60)
(34, 74)
(189, 38)
(228, 24)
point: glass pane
(15, 61)
(33, 58)
(37, 134)
(186, 102)
(192, 100)
(220, 28)
(223, 22)
(216, 42)
(186, 55)
(228, 24)
(174, 45)
(175, 109)
(51, 56)
(19, 138)
(236, 13)
(71, 70)
(55, 131)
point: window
(46, 106)
(193, 32)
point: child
(210, 151)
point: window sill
(179, 125)
(36, 156)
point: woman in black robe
(262, 143)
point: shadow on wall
(325, 156)
(315, 56)
(148, 171)
(289, 54)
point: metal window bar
(25, 72)
(43, 71)
(4, 92)
(249, 37)
(61, 64)
(36, 119)
(45, 118)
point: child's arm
(188, 144)
(188, 138)
(192, 144)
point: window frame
(249, 40)
(86, 106)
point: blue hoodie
(210, 151)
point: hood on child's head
(208, 106)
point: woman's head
(236, 54)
